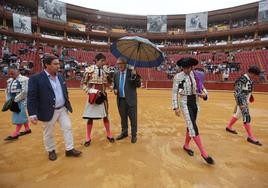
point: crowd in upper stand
(223, 66)
(172, 29)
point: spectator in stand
(225, 75)
(262, 76)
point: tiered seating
(48, 49)
(212, 77)
(88, 56)
(246, 58)
(14, 49)
(263, 58)
(234, 75)
(152, 74)
(1, 44)
(28, 57)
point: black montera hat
(254, 70)
(187, 62)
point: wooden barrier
(259, 87)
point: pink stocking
(107, 127)
(17, 131)
(89, 128)
(198, 142)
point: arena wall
(259, 87)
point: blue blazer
(41, 97)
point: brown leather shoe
(52, 155)
(73, 153)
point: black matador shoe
(209, 160)
(254, 142)
(87, 143)
(25, 132)
(189, 151)
(230, 130)
(110, 139)
(10, 138)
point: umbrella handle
(133, 75)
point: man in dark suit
(48, 102)
(125, 83)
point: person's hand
(115, 91)
(134, 71)
(177, 112)
(202, 95)
(34, 120)
(111, 88)
(242, 107)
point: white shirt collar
(123, 71)
(187, 74)
(17, 77)
(48, 75)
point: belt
(57, 108)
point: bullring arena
(225, 41)
(156, 160)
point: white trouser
(62, 117)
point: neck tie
(192, 85)
(99, 72)
(121, 85)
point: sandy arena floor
(156, 160)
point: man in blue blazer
(48, 102)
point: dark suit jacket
(41, 97)
(130, 87)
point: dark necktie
(192, 85)
(99, 71)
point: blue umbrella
(140, 52)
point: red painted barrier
(259, 87)
(3, 83)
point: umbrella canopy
(140, 52)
